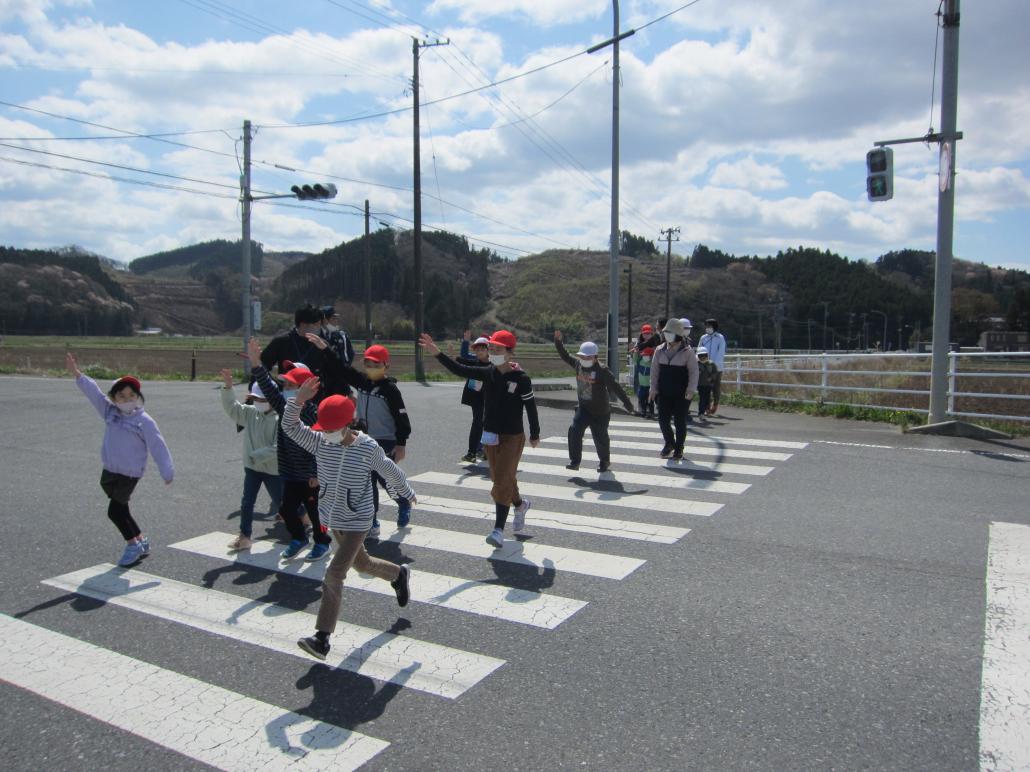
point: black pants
(295, 493)
(673, 411)
(476, 431)
(598, 429)
(704, 399)
(119, 488)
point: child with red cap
(296, 465)
(129, 434)
(380, 408)
(506, 389)
(346, 460)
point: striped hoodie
(344, 473)
(295, 463)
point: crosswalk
(643, 501)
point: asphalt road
(830, 616)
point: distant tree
(637, 246)
(1018, 315)
(704, 257)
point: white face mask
(497, 359)
(334, 437)
(588, 363)
(264, 407)
(331, 328)
(669, 336)
(127, 407)
(289, 393)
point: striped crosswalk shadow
(510, 604)
(427, 667)
(690, 450)
(561, 521)
(694, 436)
(196, 719)
(653, 462)
(604, 498)
(655, 479)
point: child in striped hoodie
(346, 460)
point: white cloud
(544, 12)
(749, 175)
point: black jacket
(505, 395)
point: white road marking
(689, 450)
(1005, 688)
(196, 719)
(653, 462)
(693, 436)
(562, 521)
(599, 564)
(415, 664)
(620, 499)
(486, 599)
(648, 480)
(988, 453)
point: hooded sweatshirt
(674, 372)
(259, 432)
(127, 438)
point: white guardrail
(820, 376)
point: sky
(744, 123)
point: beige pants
(350, 551)
(504, 463)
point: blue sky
(744, 123)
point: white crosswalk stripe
(562, 521)
(694, 436)
(491, 600)
(427, 667)
(605, 498)
(656, 479)
(652, 461)
(689, 450)
(199, 720)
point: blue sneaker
(293, 549)
(133, 552)
(144, 544)
(318, 552)
(403, 513)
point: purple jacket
(127, 438)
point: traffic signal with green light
(880, 174)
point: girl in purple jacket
(130, 433)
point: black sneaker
(314, 646)
(573, 467)
(604, 466)
(666, 451)
(400, 586)
(677, 456)
(469, 458)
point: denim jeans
(252, 480)
(598, 424)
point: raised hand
(426, 342)
(317, 340)
(467, 335)
(558, 336)
(72, 365)
(253, 352)
(307, 390)
(226, 377)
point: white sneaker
(496, 538)
(519, 521)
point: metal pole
(368, 282)
(420, 374)
(629, 305)
(826, 313)
(668, 270)
(613, 257)
(945, 218)
(245, 217)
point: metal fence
(980, 384)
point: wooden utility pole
(368, 281)
(670, 235)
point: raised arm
(88, 387)
(558, 344)
(295, 430)
(232, 407)
(476, 372)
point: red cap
(503, 338)
(647, 352)
(334, 413)
(298, 375)
(647, 328)
(127, 380)
(378, 354)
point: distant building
(149, 331)
(1004, 340)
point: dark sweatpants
(119, 488)
(598, 429)
(673, 411)
(295, 493)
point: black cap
(328, 312)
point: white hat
(702, 350)
(587, 349)
(686, 323)
(673, 326)
(481, 341)
(255, 391)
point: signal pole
(245, 200)
(368, 282)
(668, 235)
(420, 373)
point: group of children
(319, 452)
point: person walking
(346, 460)
(673, 380)
(705, 378)
(507, 390)
(129, 435)
(715, 343)
(643, 366)
(594, 384)
(260, 459)
(474, 353)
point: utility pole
(778, 326)
(863, 336)
(245, 200)
(670, 235)
(368, 281)
(810, 335)
(851, 319)
(629, 305)
(420, 373)
(826, 313)
(899, 332)
(761, 335)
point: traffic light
(316, 191)
(879, 179)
